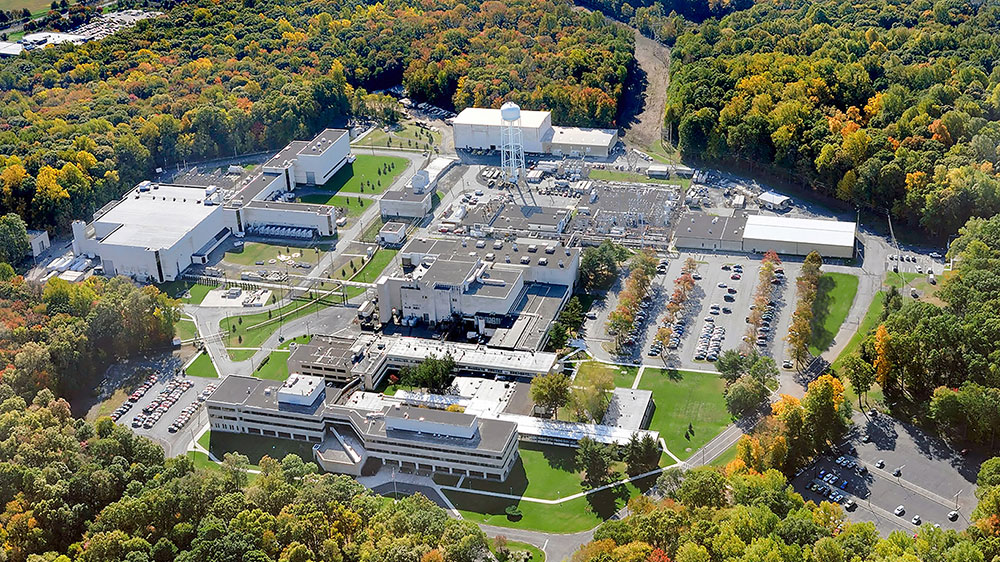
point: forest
(890, 106)
(742, 515)
(59, 336)
(940, 361)
(80, 124)
(86, 492)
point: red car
(735, 277)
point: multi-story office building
(347, 436)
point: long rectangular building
(480, 127)
(341, 361)
(748, 232)
(347, 436)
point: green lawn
(409, 136)
(250, 330)
(514, 546)
(202, 367)
(185, 329)
(899, 280)
(868, 323)
(254, 447)
(275, 368)
(681, 398)
(367, 273)
(355, 205)
(355, 178)
(615, 175)
(623, 376)
(573, 516)
(833, 301)
(177, 289)
(252, 252)
(543, 471)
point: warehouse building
(156, 230)
(479, 128)
(346, 434)
(785, 235)
(748, 232)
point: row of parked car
(159, 406)
(710, 342)
(135, 396)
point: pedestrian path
(560, 500)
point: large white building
(156, 231)
(480, 128)
(746, 232)
(786, 235)
(415, 200)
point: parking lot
(933, 480)
(173, 443)
(715, 285)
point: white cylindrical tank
(510, 111)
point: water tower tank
(510, 111)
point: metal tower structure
(511, 145)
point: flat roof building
(479, 128)
(774, 201)
(347, 434)
(156, 231)
(786, 235)
(749, 232)
(416, 198)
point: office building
(347, 434)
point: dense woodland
(887, 105)
(98, 493)
(748, 516)
(79, 124)
(942, 360)
(58, 337)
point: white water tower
(511, 146)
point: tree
(642, 454)
(433, 373)
(572, 314)
(764, 370)
(861, 375)
(822, 404)
(731, 365)
(551, 391)
(13, 238)
(744, 395)
(882, 364)
(702, 487)
(595, 459)
(558, 336)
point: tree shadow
(606, 503)
(633, 98)
(821, 337)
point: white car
(900, 510)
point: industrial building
(346, 435)
(483, 283)
(515, 220)
(366, 359)
(830, 238)
(481, 128)
(416, 198)
(747, 232)
(38, 240)
(774, 201)
(156, 231)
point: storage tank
(510, 111)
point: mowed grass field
(253, 252)
(683, 398)
(177, 290)
(252, 330)
(546, 472)
(363, 175)
(202, 367)
(833, 301)
(623, 376)
(36, 6)
(579, 514)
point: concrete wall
(280, 215)
(692, 243)
(408, 209)
(796, 248)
